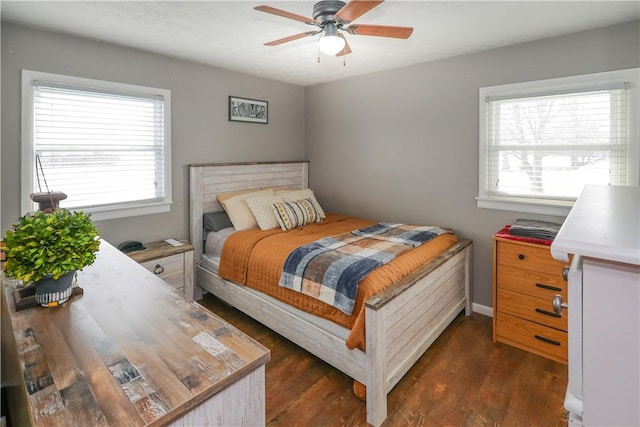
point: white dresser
(602, 231)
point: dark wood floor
(463, 379)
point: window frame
(560, 85)
(98, 213)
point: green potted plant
(48, 248)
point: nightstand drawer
(527, 257)
(539, 284)
(170, 269)
(530, 336)
(531, 308)
(173, 264)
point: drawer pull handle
(520, 256)
(547, 340)
(565, 273)
(547, 313)
(159, 269)
(557, 304)
(549, 287)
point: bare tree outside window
(541, 142)
(547, 138)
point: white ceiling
(230, 34)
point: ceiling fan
(333, 18)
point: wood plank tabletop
(157, 250)
(130, 350)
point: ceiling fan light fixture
(331, 43)
(333, 16)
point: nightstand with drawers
(525, 280)
(173, 264)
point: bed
(402, 320)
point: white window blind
(105, 148)
(542, 142)
(551, 146)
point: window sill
(533, 207)
(111, 212)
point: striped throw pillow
(293, 196)
(295, 214)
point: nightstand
(525, 280)
(174, 264)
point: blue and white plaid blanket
(331, 268)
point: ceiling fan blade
(291, 38)
(346, 50)
(355, 9)
(285, 14)
(380, 31)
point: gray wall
(201, 131)
(402, 145)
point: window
(542, 142)
(106, 145)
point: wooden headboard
(211, 179)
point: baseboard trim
(482, 309)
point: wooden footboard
(404, 320)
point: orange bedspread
(255, 258)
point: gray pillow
(216, 221)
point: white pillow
(262, 210)
(292, 196)
(239, 212)
(215, 240)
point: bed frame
(401, 322)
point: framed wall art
(248, 110)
